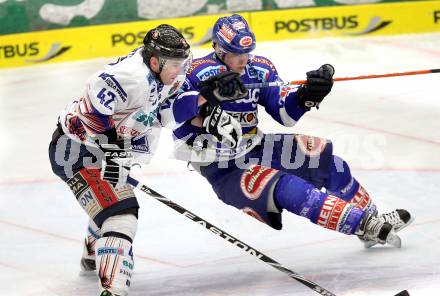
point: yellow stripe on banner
(355, 20)
(118, 39)
(94, 41)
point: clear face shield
(173, 73)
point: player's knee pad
(114, 254)
(122, 226)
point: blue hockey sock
(302, 198)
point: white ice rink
(387, 129)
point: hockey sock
(301, 198)
(342, 184)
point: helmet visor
(176, 66)
(173, 74)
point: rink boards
(118, 39)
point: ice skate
(377, 230)
(107, 293)
(399, 219)
(87, 263)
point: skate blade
(369, 244)
(87, 273)
(394, 240)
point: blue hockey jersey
(279, 102)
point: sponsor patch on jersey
(140, 144)
(333, 213)
(259, 73)
(254, 180)
(245, 41)
(89, 203)
(102, 190)
(199, 62)
(77, 184)
(246, 119)
(210, 71)
(111, 81)
(311, 146)
(262, 60)
(251, 212)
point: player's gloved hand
(225, 128)
(319, 84)
(116, 163)
(226, 86)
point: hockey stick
(297, 82)
(231, 239)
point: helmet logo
(227, 33)
(238, 26)
(246, 41)
(155, 34)
(183, 41)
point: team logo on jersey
(146, 119)
(258, 73)
(114, 84)
(311, 146)
(246, 119)
(210, 71)
(252, 98)
(254, 180)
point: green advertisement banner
(17, 16)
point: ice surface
(387, 129)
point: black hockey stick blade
(403, 293)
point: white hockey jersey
(125, 96)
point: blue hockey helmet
(233, 34)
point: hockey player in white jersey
(99, 135)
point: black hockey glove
(116, 163)
(226, 86)
(225, 128)
(319, 84)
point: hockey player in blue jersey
(264, 174)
